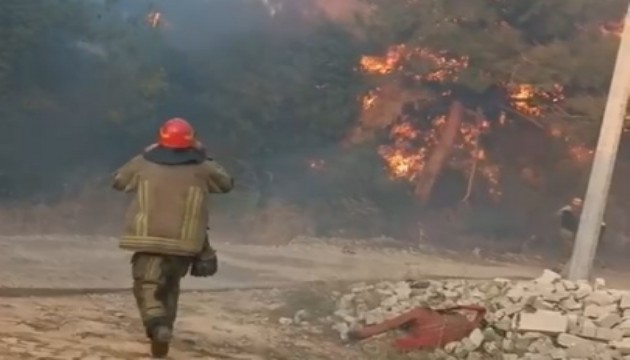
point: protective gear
(166, 223)
(160, 341)
(156, 280)
(177, 133)
(170, 211)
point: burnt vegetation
(456, 120)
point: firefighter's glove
(205, 264)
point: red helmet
(177, 133)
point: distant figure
(569, 224)
(166, 225)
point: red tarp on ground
(428, 328)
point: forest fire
(410, 148)
(443, 66)
(384, 65)
(404, 159)
(370, 98)
(525, 98)
(408, 154)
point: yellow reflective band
(187, 213)
(194, 224)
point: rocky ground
(68, 298)
(542, 319)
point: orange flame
(524, 97)
(382, 65)
(444, 66)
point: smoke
(94, 84)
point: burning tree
(472, 70)
(489, 95)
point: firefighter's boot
(160, 340)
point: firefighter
(166, 225)
(569, 223)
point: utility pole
(604, 162)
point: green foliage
(279, 96)
(24, 26)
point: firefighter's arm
(218, 181)
(126, 177)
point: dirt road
(40, 318)
(62, 262)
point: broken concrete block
(569, 285)
(507, 345)
(558, 354)
(466, 346)
(534, 335)
(608, 334)
(623, 346)
(476, 338)
(608, 321)
(451, 347)
(594, 311)
(541, 346)
(555, 294)
(515, 294)
(474, 356)
(601, 298)
(599, 284)
(584, 350)
(570, 304)
(624, 303)
(504, 324)
(589, 329)
(513, 309)
(575, 324)
(490, 335)
(389, 301)
(543, 321)
(522, 344)
(541, 304)
(624, 327)
(606, 354)
(491, 348)
(583, 290)
(568, 340)
(548, 277)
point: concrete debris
(543, 321)
(547, 318)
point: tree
(519, 67)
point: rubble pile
(545, 318)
